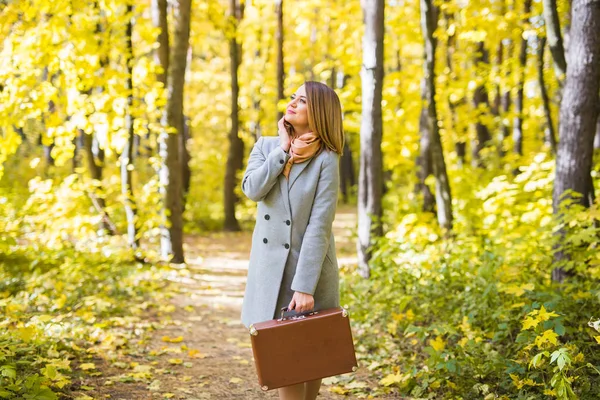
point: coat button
(287, 246)
(265, 241)
(281, 161)
(288, 222)
(267, 217)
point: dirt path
(201, 350)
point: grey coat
(292, 245)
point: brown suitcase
(301, 348)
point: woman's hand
(302, 302)
(284, 136)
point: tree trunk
(429, 18)
(424, 166)
(184, 154)
(578, 115)
(255, 125)
(347, 174)
(518, 121)
(48, 154)
(460, 146)
(332, 80)
(236, 145)
(480, 97)
(91, 146)
(496, 105)
(161, 54)
(127, 154)
(169, 143)
(74, 161)
(597, 138)
(550, 133)
(461, 152)
(137, 145)
(506, 102)
(95, 163)
(370, 175)
(280, 66)
(347, 179)
(555, 41)
(51, 110)
(314, 28)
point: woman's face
(297, 110)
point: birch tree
(370, 174)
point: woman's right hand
(285, 139)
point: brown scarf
(302, 148)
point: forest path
(200, 349)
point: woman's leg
(311, 389)
(294, 392)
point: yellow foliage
(195, 354)
(438, 343)
(394, 379)
(338, 390)
(172, 340)
(517, 290)
(537, 316)
(530, 323)
(543, 315)
(549, 336)
(60, 302)
(519, 383)
(26, 333)
(579, 358)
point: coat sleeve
(262, 171)
(315, 242)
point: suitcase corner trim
(252, 330)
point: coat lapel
(297, 170)
(283, 186)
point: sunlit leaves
(438, 343)
(9, 142)
(172, 340)
(87, 366)
(517, 290)
(537, 316)
(195, 354)
(519, 383)
(547, 337)
(68, 300)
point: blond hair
(325, 115)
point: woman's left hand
(302, 302)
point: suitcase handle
(301, 315)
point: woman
(294, 178)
